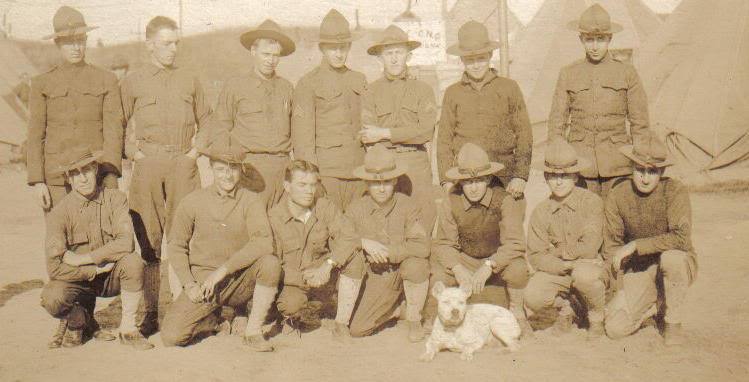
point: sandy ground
(718, 335)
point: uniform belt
(152, 148)
(278, 154)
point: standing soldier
(593, 100)
(90, 253)
(256, 109)
(395, 246)
(647, 233)
(72, 106)
(486, 110)
(167, 104)
(120, 66)
(564, 239)
(480, 240)
(327, 114)
(400, 112)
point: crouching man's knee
(675, 266)
(515, 275)
(131, 268)
(356, 268)
(267, 270)
(290, 300)
(618, 321)
(55, 299)
(171, 336)
(415, 269)
(540, 292)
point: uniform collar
(231, 195)
(282, 211)
(154, 69)
(77, 66)
(97, 198)
(326, 68)
(386, 209)
(485, 201)
(490, 75)
(259, 80)
(403, 76)
(605, 61)
(572, 201)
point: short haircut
(158, 23)
(269, 40)
(299, 165)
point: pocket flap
(57, 91)
(144, 101)
(328, 93)
(577, 85)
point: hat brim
(69, 32)
(581, 165)
(375, 49)
(455, 174)
(287, 44)
(95, 157)
(628, 151)
(362, 174)
(575, 27)
(455, 50)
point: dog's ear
(466, 289)
(437, 289)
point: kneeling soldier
(312, 238)
(222, 252)
(648, 228)
(395, 245)
(480, 237)
(91, 253)
(564, 237)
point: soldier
(593, 99)
(312, 239)
(395, 245)
(222, 251)
(487, 110)
(327, 114)
(90, 253)
(564, 239)
(74, 105)
(647, 232)
(119, 66)
(400, 112)
(479, 239)
(256, 109)
(167, 104)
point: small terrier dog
(465, 328)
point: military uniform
(592, 104)
(73, 106)
(303, 245)
(490, 113)
(326, 119)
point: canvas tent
(545, 45)
(12, 114)
(483, 11)
(696, 72)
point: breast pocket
(410, 107)
(77, 240)
(579, 93)
(91, 103)
(187, 107)
(144, 103)
(318, 241)
(614, 97)
(59, 105)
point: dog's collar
(450, 327)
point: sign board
(431, 34)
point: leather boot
(415, 331)
(673, 335)
(341, 333)
(136, 340)
(257, 343)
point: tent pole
(504, 46)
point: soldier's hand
(448, 186)
(76, 260)
(480, 277)
(194, 292)
(622, 253)
(192, 154)
(463, 276)
(41, 192)
(319, 276)
(373, 134)
(209, 285)
(377, 251)
(516, 187)
(138, 155)
(104, 268)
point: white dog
(465, 328)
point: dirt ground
(718, 335)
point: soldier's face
(73, 48)
(560, 185)
(381, 190)
(265, 55)
(83, 180)
(302, 188)
(596, 45)
(394, 59)
(646, 179)
(477, 65)
(163, 46)
(475, 188)
(335, 54)
(226, 175)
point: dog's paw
(466, 356)
(426, 357)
